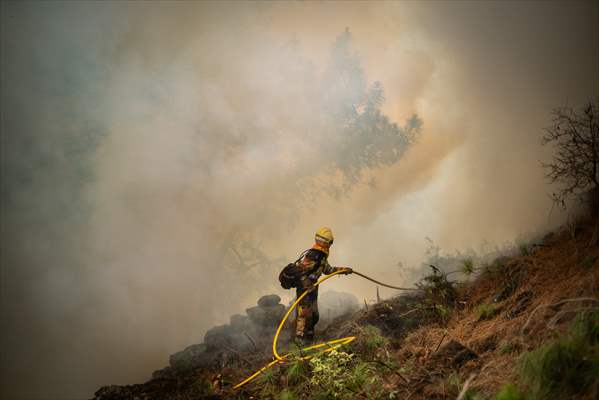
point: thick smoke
(161, 161)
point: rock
(256, 314)
(112, 392)
(275, 313)
(192, 357)
(251, 326)
(217, 336)
(522, 303)
(456, 353)
(266, 316)
(218, 331)
(164, 373)
(241, 342)
(269, 300)
(237, 323)
(484, 345)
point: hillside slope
(451, 340)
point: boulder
(275, 313)
(256, 315)
(218, 331)
(241, 342)
(455, 353)
(192, 357)
(238, 323)
(269, 300)
(217, 336)
(164, 373)
(266, 316)
(112, 392)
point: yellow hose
(331, 344)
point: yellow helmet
(324, 236)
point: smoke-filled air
(161, 162)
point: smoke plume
(162, 161)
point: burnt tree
(575, 137)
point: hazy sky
(139, 140)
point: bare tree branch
(575, 137)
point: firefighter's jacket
(312, 265)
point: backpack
(290, 275)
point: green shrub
(442, 311)
(296, 372)
(506, 347)
(372, 339)
(510, 392)
(287, 394)
(329, 372)
(438, 288)
(472, 394)
(486, 311)
(268, 376)
(566, 366)
(467, 266)
(496, 268)
(359, 376)
(339, 375)
(407, 367)
(453, 380)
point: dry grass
(558, 270)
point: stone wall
(244, 333)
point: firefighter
(311, 264)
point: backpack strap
(318, 260)
(302, 256)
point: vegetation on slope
(525, 327)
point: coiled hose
(330, 345)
